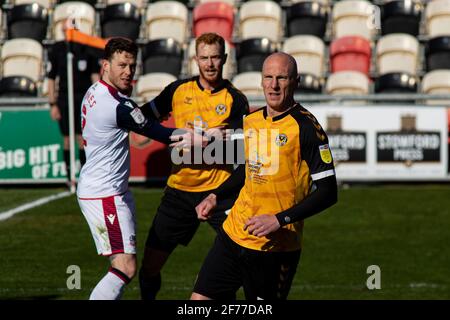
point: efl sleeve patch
(325, 153)
(137, 116)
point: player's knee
(126, 264)
(198, 296)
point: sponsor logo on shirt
(138, 116)
(325, 153)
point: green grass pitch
(405, 230)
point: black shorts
(263, 275)
(176, 220)
(63, 107)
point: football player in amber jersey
(290, 178)
(205, 101)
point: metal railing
(378, 99)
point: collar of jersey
(285, 114)
(224, 84)
(114, 92)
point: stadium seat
(230, 2)
(401, 16)
(83, 13)
(167, 19)
(437, 82)
(162, 55)
(91, 2)
(215, 17)
(137, 3)
(17, 86)
(397, 53)
(350, 53)
(347, 83)
(228, 68)
(396, 82)
(252, 52)
(22, 57)
(259, 19)
(309, 84)
(249, 83)
(308, 52)
(437, 53)
(351, 18)
(307, 18)
(121, 20)
(151, 84)
(47, 4)
(437, 16)
(27, 21)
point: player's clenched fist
(204, 208)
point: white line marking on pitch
(36, 203)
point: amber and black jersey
(284, 156)
(190, 103)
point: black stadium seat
(402, 16)
(27, 21)
(252, 52)
(91, 2)
(163, 55)
(309, 84)
(121, 20)
(306, 18)
(396, 82)
(17, 86)
(437, 53)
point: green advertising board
(31, 147)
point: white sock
(109, 288)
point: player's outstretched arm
(130, 117)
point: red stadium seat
(350, 53)
(215, 17)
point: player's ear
(105, 65)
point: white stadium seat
(437, 82)
(437, 16)
(249, 83)
(259, 19)
(347, 83)
(353, 18)
(22, 57)
(167, 19)
(308, 52)
(151, 84)
(397, 52)
(83, 13)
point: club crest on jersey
(325, 153)
(281, 139)
(221, 109)
(82, 65)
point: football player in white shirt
(108, 114)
